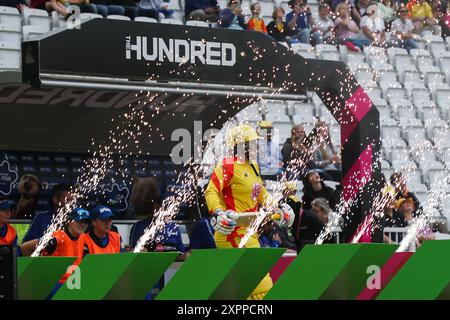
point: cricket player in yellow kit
(236, 187)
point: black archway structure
(196, 74)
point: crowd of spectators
(156, 9)
(354, 23)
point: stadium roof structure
(192, 74)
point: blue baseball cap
(6, 205)
(79, 214)
(102, 212)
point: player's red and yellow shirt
(235, 186)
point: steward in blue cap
(100, 239)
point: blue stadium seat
(44, 159)
(60, 159)
(27, 158)
(29, 168)
(46, 170)
(62, 170)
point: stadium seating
(410, 90)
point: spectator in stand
(311, 223)
(392, 218)
(105, 8)
(445, 23)
(202, 236)
(61, 196)
(232, 17)
(294, 150)
(289, 190)
(61, 6)
(313, 188)
(297, 155)
(422, 17)
(405, 207)
(324, 25)
(359, 10)
(386, 11)
(157, 9)
(438, 10)
(269, 155)
(398, 181)
(372, 27)
(166, 239)
(278, 28)
(273, 236)
(347, 30)
(130, 6)
(256, 23)
(325, 157)
(401, 29)
(203, 10)
(299, 20)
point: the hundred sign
(180, 51)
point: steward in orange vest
(8, 234)
(100, 239)
(70, 241)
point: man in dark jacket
(313, 188)
(40, 223)
(232, 17)
(311, 223)
(203, 10)
(296, 156)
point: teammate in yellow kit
(236, 187)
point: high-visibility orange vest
(10, 236)
(113, 245)
(67, 246)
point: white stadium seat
(117, 17)
(37, 18)
(328, 55)
(417, 53)
(403, 164)
(325, 48)
(31, 32)
(441, 137)
(351, 56)
(387, 75)
(414, 135)
(88, 15)
(395, 52)
(306, 54)
(267, 8)
(278, 117)
(417, 91)
(10, 34)
(304, 119)
(10, 56)
(301, 108)
(10, 17)
(273, 106)
(442, 98)
(411, 76)
(301, 47)
(147, 19)
(391, 137)
(196, 23)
